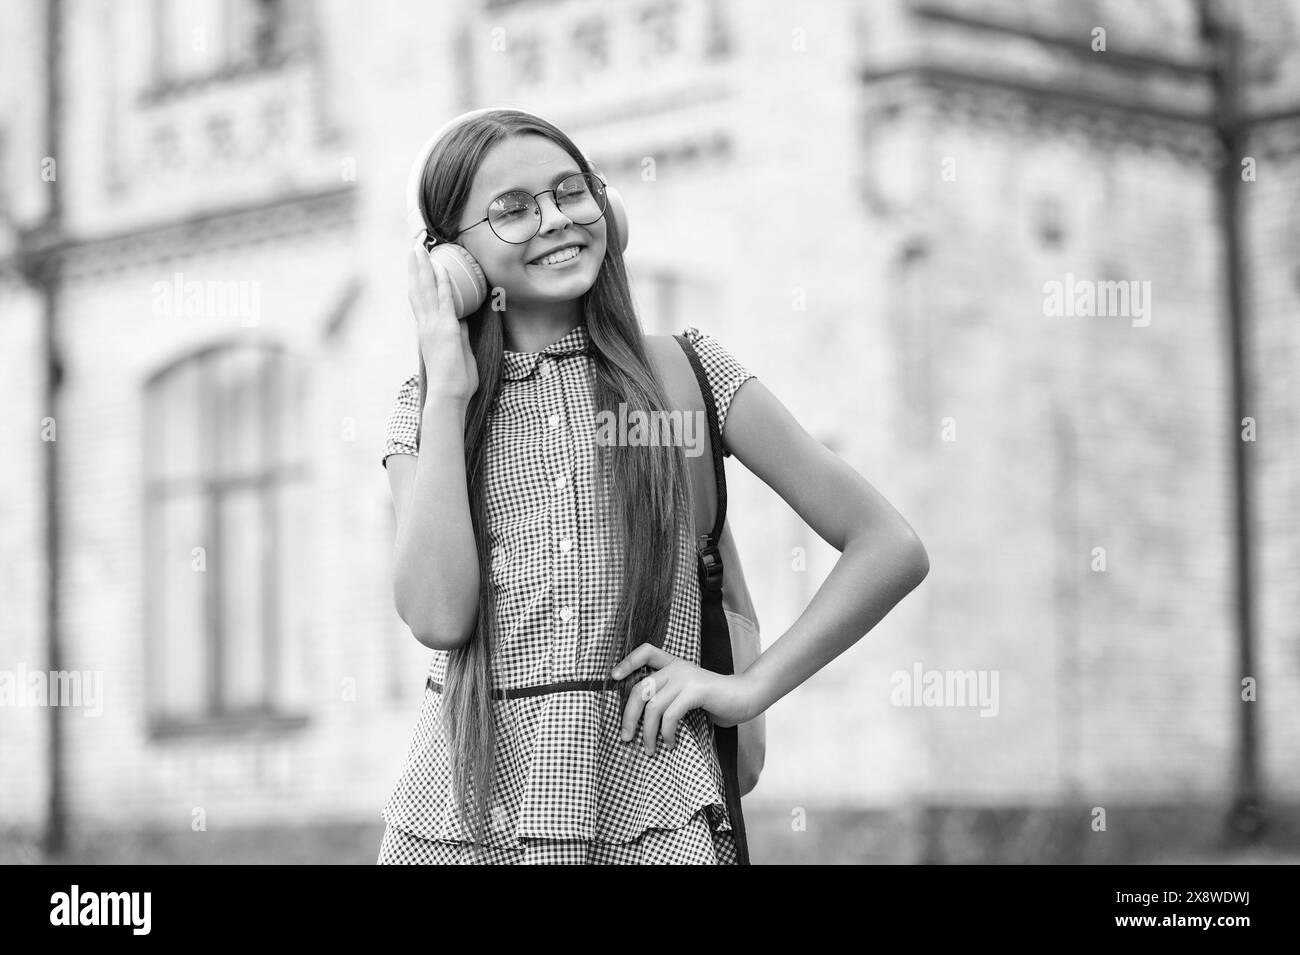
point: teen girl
(547, 573)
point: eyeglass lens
(516, 217)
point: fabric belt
(514, 692)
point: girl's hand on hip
(446, 358)
(675, 687)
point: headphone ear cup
(468, 283)
(615, 208)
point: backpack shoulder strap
(715, 436)
(687, 394)
(683, 386)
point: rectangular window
(195, 40)
(225, 522)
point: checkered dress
(565, 787)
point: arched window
(227, 564)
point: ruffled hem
(561, 772)
(694, 844)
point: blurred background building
(203, 297)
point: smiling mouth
(566, 254)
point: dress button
(544, 367)
(566, 614)
(553, 421)
(561, 481)
(566, 545)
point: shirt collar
(520, 364)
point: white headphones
(469, 285)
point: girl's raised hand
(675, 687)
(446, 359)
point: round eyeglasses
(516, 217)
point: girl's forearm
(436, 574)
(871, 576)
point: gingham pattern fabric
(693, 844)
(562, 780)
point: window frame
(270, 476)
(295, 41)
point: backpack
(729, 636)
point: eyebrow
(559, 177)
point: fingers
(645, 691)
(446, 310)
(431, 298)
(430, 285)
(467, 353)
(421, 281)
(425, 266)
(644, 655)
(641, 695)
(672, 718)
(654, 713)
(657, 702)
(413, 278)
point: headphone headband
(414, 218)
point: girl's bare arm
(881, 558)
(435, 573)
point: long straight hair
(644, 490)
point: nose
(553, 218)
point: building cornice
(72, 255)
(994, 68)
(1014, 101)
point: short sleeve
(724, 372)
(403, 421)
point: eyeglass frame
(604, 207)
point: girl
(546, 572)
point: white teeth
(555, 258)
